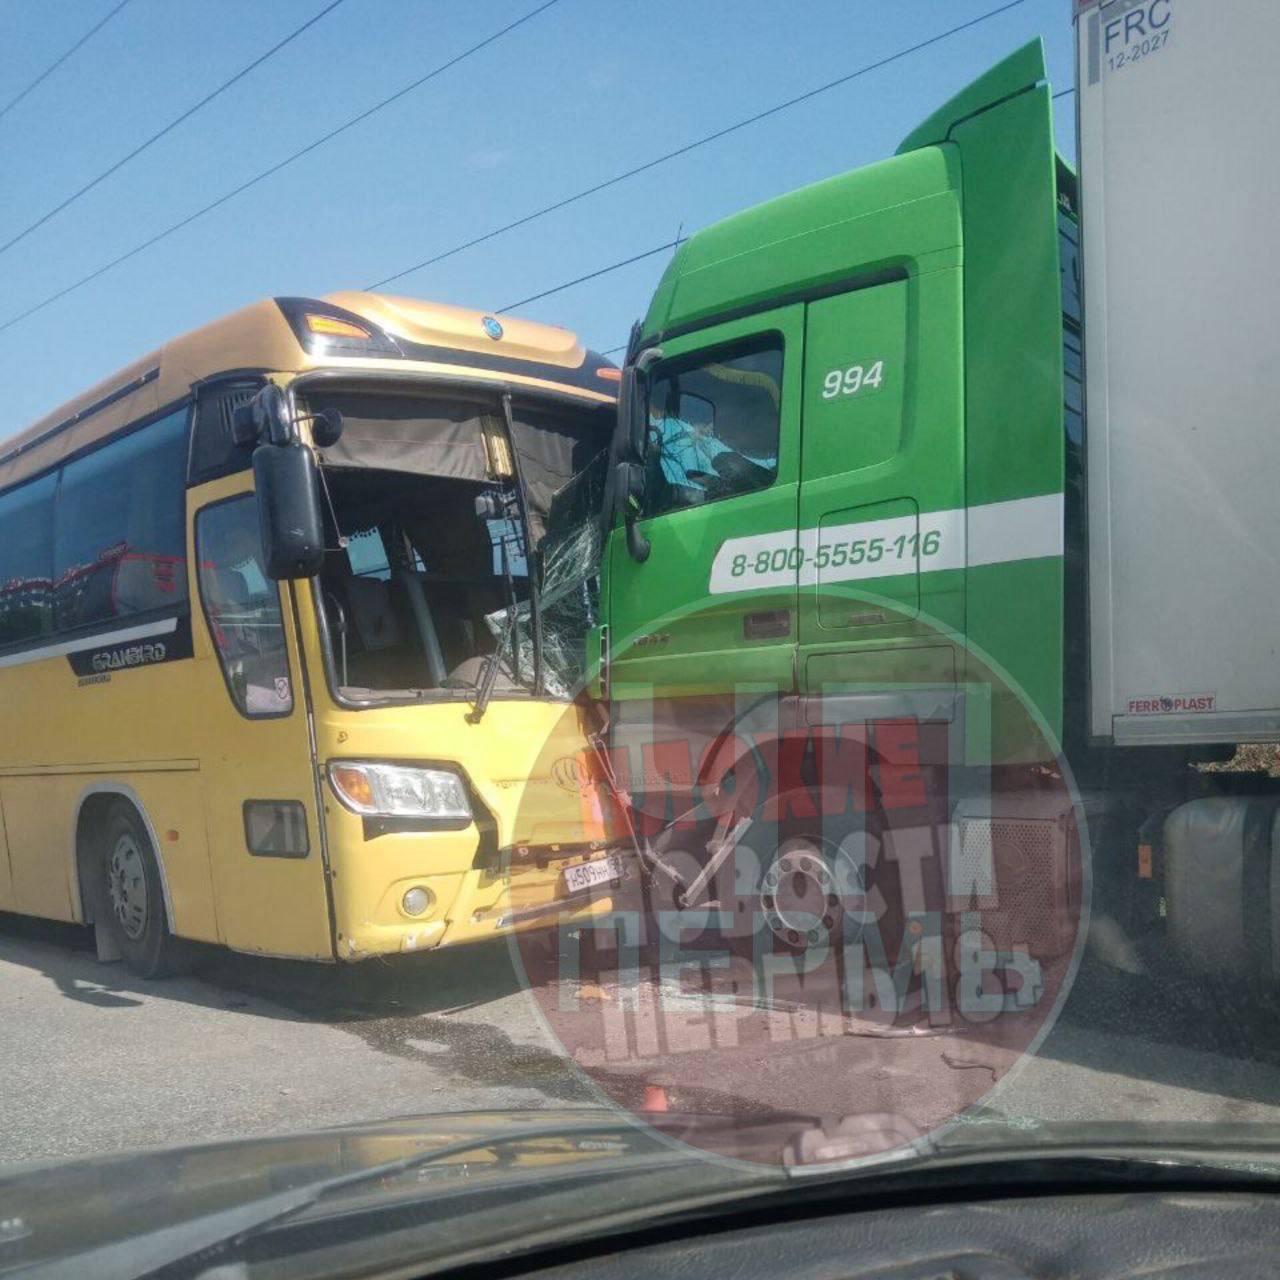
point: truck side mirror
(632, 442)
(633, 406)
(631, 413)
(292, 526)
(628, 488)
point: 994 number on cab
(848, 382)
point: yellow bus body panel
(168, 738)
(510, 760)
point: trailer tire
(1222, 858)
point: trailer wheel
(131, 894)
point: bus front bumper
(477, 904)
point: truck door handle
(769, 624)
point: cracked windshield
(639, 637)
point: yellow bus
(276, 671)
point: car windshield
(673, 623)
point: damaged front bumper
(486, 903)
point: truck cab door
(714, 604)
(882, 484)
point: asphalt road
(93, 1060)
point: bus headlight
(399, 791)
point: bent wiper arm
(489, 676)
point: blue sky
(584, 90)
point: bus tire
(131, 894)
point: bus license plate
(587, 874)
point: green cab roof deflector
(1020, 71)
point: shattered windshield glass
(569, 598)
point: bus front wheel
(131, 894)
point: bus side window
(118, 528)
(26, 561)
(242, 606)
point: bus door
(256, 761)
(882, 484)
(714, 604)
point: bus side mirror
(292, 526)
(265, 417)
(326, 428)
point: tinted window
(1069, 244)
(243, 607)
(118, 527)
(213, 450)
(26, 561)
(713, 426)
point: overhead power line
(268, 172)
(57, 62)
(604, 271)
(560, 204)
(694, 145)
(169, 128)
(625, 262)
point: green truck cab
(844, 457)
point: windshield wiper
(491, 507)
(492, 665)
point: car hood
(458, 1182)
(65, 1211)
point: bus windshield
(441, 512)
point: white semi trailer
(1179, 128)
